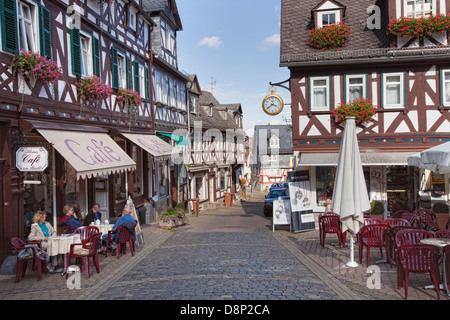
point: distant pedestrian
(266, 191)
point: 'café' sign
(34, 159)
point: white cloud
(271, 41)
(211, 42)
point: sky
(233, 47)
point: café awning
(367, 159)
(150, 143)
(91, 154)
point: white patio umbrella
(350, 199)
(436, 159)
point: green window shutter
(95, 57)
(136, 77)
(8, 20)
(129, 79)
(114, 69)
(76, 51)
(147, 84)
(45, 32)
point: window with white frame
(355, 87)
(320, 93)
(122, 70)
(141, 76)
(418, 8)
(132, 20)
(28, 28)
(325, 18)
(446, 87)
(393, 90)
(86, 54)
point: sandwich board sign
(282, 213)
(139, 235)
(301, 205)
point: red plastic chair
(442, 234)
(125, 237)
(419, 258)
(427, 220)
(83, 251)
(370, 221)
(68, 229)
(21, 266)
(412, 218)
(400, 213)
(397, 222)
(391, 245)
(86, 232)
(331, 224)
(411, 236)
(372, 236)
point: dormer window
(328, 12)
(418, 8)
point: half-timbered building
(406, 77)
(169, 94)
(272, 154)
(97, 151)
(217, 149)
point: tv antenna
(212, 84)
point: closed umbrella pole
(350, 198)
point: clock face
(272, 105)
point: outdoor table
(61, 245)
(440, 243)
(103, 228)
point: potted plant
(442, 211)
(362, 109)
(173, 218)
(92, 88)
(376, 209)
(419, 27)
(331, 36)
(33, 66)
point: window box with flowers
(92, 89)
(330, 37)
(421, 27)
(362, 109)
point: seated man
(126, 220)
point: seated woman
(70, 217)
(41, 230)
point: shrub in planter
(34, 66)
(441, 207)
(173, 218)
(362, 109)
(332, 36)
(376, 207)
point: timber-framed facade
(405, 77)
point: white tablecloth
(61, 244)
(103, 228)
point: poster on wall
(281, 213)
(301, 202)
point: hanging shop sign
(32, 159)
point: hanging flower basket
(362, 109)
(129, 97)
(419, 27)
(34, 66)
(332, 36)
(92, 88)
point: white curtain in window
(320, 94)
(355, 88)
(393, 87)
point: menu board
(281, 212)
(301, 203)
(139, 235)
